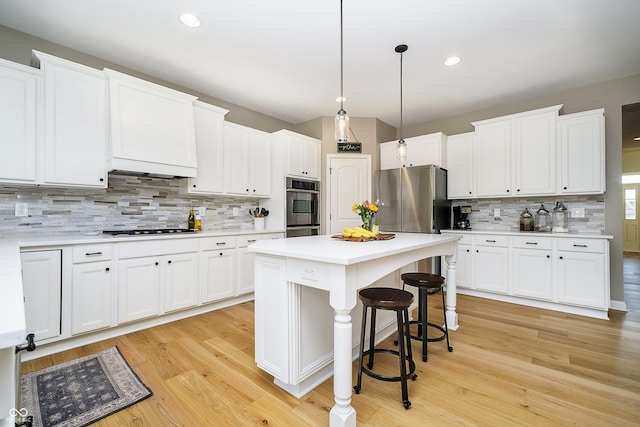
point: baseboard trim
(618, 305)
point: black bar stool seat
(399, 301)
(427, 284)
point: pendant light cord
(401, 104)
(341, 63)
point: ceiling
(282, 57)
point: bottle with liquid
(198, 222)
(191, 220)
(526, 221)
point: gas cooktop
(147, 232)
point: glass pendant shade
(342, 126)
(402, 151)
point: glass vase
(367, 222)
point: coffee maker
(460, 217)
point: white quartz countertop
(336, 251)
(12, 317)
(81, 239)
(584, 235)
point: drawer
(222, 242)
(582, 245)
(157, 247)
(244, 241)
(90, 253)
(489, 240)
(528, 242)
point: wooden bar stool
(427, 284)
(398, 301)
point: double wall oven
(303, 207)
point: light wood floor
(512, 365)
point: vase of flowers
(366, 211)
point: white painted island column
(293, 277)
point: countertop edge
(528, 233)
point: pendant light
(402, 146)
(342, 118)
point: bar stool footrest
(369, 372)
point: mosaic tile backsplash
(129, 202)
(481, 217)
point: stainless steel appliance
(303, 207)
(415, 201)
(461, 217)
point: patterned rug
(81, 391)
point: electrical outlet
(577, 212)
(235, 211)
(22, 209)
(496, 213)
(202, 210)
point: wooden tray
(381, 236)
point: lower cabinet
(139, 285)
(245, 271)
(180, 281)
(566, 273)
(217, 269)
(42, 287)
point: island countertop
(336, 251)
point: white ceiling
(281, 57)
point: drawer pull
(532, 243)
(251, 241)
(92, 253)
(221, 243)
(579, 246)
(490, 241)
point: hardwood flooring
(512, 365)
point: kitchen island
(304, 283)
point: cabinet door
(490, 269)
(581, 279)
(425, 150)
(304, 157)
(389, 156)
(92, 296)
(75, 137)
(19, 86)
(460, 167)
(245, 271)
(532, 273)
(42, 286)
(217, 275)
(534, 142)
(463, 267)
(139, 288)
(259, 163)
(493, 159)
(180, 281)
(581, 142)
(236, 154)
(209, 125)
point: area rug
(81, 391)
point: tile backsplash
(481, 217)
(128, 202)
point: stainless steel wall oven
(303, 207)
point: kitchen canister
(560, 218)
(526, 221)
(543, 220)
(258, 223)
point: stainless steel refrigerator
(415, 201)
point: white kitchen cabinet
(247, 154)
(582, 272)
(217, 268)
(151, 127)
(422, 150)
(515, 154)
(180, 281)
(464, 263)
(75, 133)
(302, 152)
(582, 153)
(93, 286)
(490, 263)
(209, 131)
(532, 267)
(245, 276)
(139, 288)
(19, 121)
(460, 166)
(42, 287)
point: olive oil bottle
(191, 221)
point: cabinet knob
(507, 191)
(169, 262)
(561, 258)
(220, 253)
(518, 190)
(477, 251)
(107, 269)
(157, 263)
(247, 189)
(101, 179)
(468, 250)
(548, 256)
(564, 188)
(469, 192)
(194, 186)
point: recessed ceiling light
(452, 60)
(341, 99)
(190, 20)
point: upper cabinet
(460, 167)
(516, 155)
(581, 152)
(152, 128)
(421, 150)
(303, 154)
(209, 126)
(19, 115)
(247, 154)
(75, 137)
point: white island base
(306, 288)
